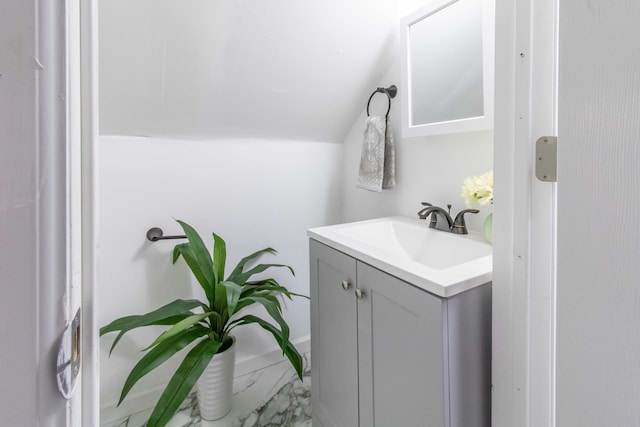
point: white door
(41, 212)
(598, 282)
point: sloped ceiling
(275, 69)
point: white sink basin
(442, 263)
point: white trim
(52, 309)
(146, 399)
(52, 203)
(504, 392)
(524, 267)
(542, 327)
(89, 124)
(471, 124)
(74, 182)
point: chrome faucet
(441, 219)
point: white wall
(264, 69)
(429, 169)
(253, 193)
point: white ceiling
(277, 69)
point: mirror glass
(446, 64)
(447, 74)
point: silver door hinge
(547, 158)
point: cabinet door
(334, 343)
(401, 353)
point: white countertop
(442, 263)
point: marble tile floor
(271, 397)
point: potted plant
(208, 325)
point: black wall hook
(154, 234)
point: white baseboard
(141, 401)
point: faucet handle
(421, 214)
(459, 224)
(464, 211)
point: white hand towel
(377, 161)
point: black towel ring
(390, 91)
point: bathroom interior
(246, 118)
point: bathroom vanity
(391, 352)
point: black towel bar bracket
(390, 91)
(154, 234)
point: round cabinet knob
(359, 293)
(345, 285)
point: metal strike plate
(68, 365)
(547, 158)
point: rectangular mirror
(447, 67)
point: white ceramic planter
(215, 386)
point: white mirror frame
(471, 124)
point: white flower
(478, 189)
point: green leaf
(168, 314)
(179, 327)
(220, 305)
(176, 307)
(286, 346)
(198, 270)
(240, 267)
(219, 257)
(215, 316)
(202, 262)
(199, 249)
(233, 292)
(243, 303)
(168, 321)
(275, 311)
(269, 297)
(182, 382)
(242, 278)
(270, 286)
(160, 354)
(216, 322)
(176, 251)
(251, 287)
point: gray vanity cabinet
(334, 343)
(388, 354)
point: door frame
(524, 261)
(523, 368)
(89, 125)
